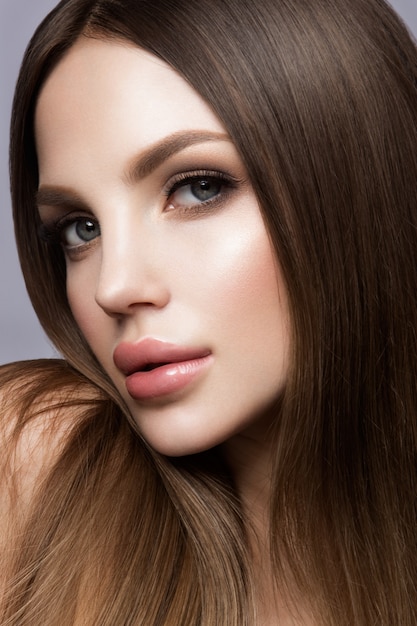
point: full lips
(166, 379)
(155, 368)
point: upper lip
(149, 353)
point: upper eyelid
(62, 211)
(59, 219)
(50, 230)
(52, 215)
(187, 177)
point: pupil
(86, 230)
(206, 189)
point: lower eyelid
(77, 253)
(203, 208)
(187, 188)
(53, 231)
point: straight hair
(320, 100)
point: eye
(79, 231)
(72, 232)
(198, 190)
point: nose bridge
(131, 271)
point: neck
(249, 461)
(249, 455)
(250, 458)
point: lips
(155, 368)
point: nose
(132, 271)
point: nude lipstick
(155, 368)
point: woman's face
(171, 275)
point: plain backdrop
(20, 334)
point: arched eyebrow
(58, 196)
(159, 152)
(139, 167)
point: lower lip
(166, 380)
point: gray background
(20, 334)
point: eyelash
(52, 232)
(183, 180)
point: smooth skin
(151, 254)
(164, 239)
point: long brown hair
(320, 99)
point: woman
(225, 197)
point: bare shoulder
(41, 399)
(41, 403)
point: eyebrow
(59, 196)
(139, 167)
(158, 153)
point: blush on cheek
(251, 270)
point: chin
(182, 441)
(185, 447)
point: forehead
(107, 93)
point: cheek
(81, 288)
(247, 289)
(254, 277)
